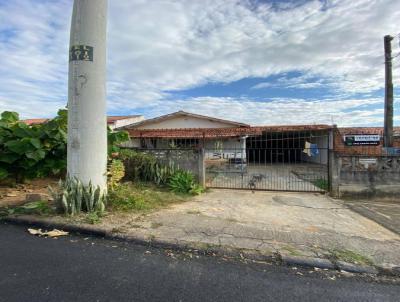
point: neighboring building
(35, 121)
(119, 121)
(112, 121)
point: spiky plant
(72, 197)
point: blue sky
(260, 62)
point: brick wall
(341, 149)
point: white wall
(225, 148)
(126, 121)
(185, 122)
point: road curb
(275, 258)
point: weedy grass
(36, 207)
(93, 218)
(350, 256)
(142, 197)
(321, 183)
(292, 251)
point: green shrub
(72, 197)
(184, 182)
(32, 151)
(116, 171)
(115, 139)
(141, 166)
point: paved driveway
(386, 213)
(299, 224)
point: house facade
(185, 130)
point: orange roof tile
(220, 132)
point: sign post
(87, 132)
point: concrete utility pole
(87, 133)
(388, 127)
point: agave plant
(72, 197)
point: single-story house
(230, 154)
(229, 139)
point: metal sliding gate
(273, 161)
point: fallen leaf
(346, 273)
(54, 233)
(35, 231)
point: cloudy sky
(257, 61)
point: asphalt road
(79, 268)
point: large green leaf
(27, 164)
(3, 173)
(17, 146)
(35, 142)
(8, 158)
(21, 130)
(10, 116)
(36, 155)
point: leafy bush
(115, 139)
(32, 151)
(71, 197)
(116, 171)
(39, 150)
(183, 182)
(140, 166)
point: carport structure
(281, 158)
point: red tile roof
(220, 132)
(35, 121)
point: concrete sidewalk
(309, 228)
(295, 224)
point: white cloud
(169, 45)
(278, 111)
(306, 81)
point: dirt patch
(14, 194)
